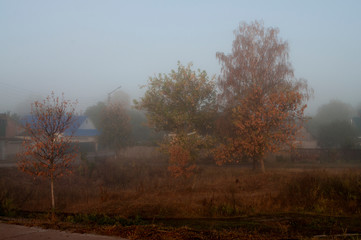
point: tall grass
(135, 188)
(321, 191)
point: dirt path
(16, 232)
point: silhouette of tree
(115, 127)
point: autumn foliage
(261, 101)
(264, 126)
(182, 101)
(47, 151)
(182, 104)
(181, 161)
(259, 108)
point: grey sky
(88, 48)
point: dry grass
(115, 196)
(134, 188)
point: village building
(10, 145)
(12, 135)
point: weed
(7, 208)
(102, 220)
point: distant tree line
(336, 125)
(121, 126)
(254, 107)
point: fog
(86, 49)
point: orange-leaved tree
(183, 105)
(262, 103)
(182, 151)
(48, 150)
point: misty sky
(88, 48)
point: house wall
(9, 145)
(8, 127)
(13, 129)
(9, 149)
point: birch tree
(261, 100)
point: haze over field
(86, 49)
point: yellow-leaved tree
(183, 105)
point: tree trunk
(52, 197)
(254, 165)
(261, 163)
(258, 165)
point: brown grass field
(138, 199)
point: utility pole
(109, 94)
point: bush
(7, 208)
(324, 192)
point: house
(85, 133)
(82, 130)
(10, 145)
(12, 135)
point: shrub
(324, 192)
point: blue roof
(74, 128)
(83, 133)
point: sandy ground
(16, 232)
